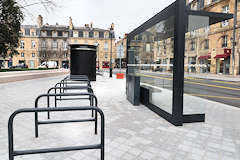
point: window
(106, 35)
(80, 34)
(148, 48)
(95, 34)
(33, 33)
(44, 33)
(33, 54)
(64, 45)
(54, 34)
(75, 34)
(101, 34)
(33, 44)
(65, 34)
(65, 55)
(71, 33)
(27, 32)
(22, 44)
(106, 46)
(201, 3)
(60, 33)
(54, 44)
(106, 55)
(37, 32)
(192, 45)
(91, 34)
(49, 33)
(224, 41)
(206, 44)
(22, 54)
(85, 34)
(225, 9)
(44, 44)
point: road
(220, 91)
(6, 77)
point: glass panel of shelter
(196, 62)
(153, 51)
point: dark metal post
(48, 105)
(110, 71)
(234, 36)
(10, 138)
(178, 71)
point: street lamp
(111, 36)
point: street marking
(144, 75)
(212, 85)
(201, 95)
(216, 81)
(202, 84)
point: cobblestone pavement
(132, 132)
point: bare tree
(47, 5)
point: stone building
(44, 42)
(210, 48)
(121, 49)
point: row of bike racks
(69, 83)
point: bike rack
(13, 153)
(69, 88)
(37, 122)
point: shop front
(223, 62)
(204, 63)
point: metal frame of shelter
(181, 12)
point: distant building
(210, 48)
(121, 52)
(41, 43)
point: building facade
(210, 48)
(207, 49)
(41, 43)
(121, 50)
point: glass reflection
(197, 61)
(153, 54)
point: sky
(125, 14)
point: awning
(204, 57)
(225, 55)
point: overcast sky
(125, 14)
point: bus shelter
(155, 61)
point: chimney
(86, 25)
(91, 25)
(70, 23)
(112, 26)
(57, 24)
(40, 20)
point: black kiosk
(83, 60)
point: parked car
(49, 64)
(19, 66)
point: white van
(48, 64)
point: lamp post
(234, 36)
(111, 36)
(121, 51)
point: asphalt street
(216, 90)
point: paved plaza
(132, 132)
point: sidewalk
(132, 132)
(13, 76)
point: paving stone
(132, 132)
